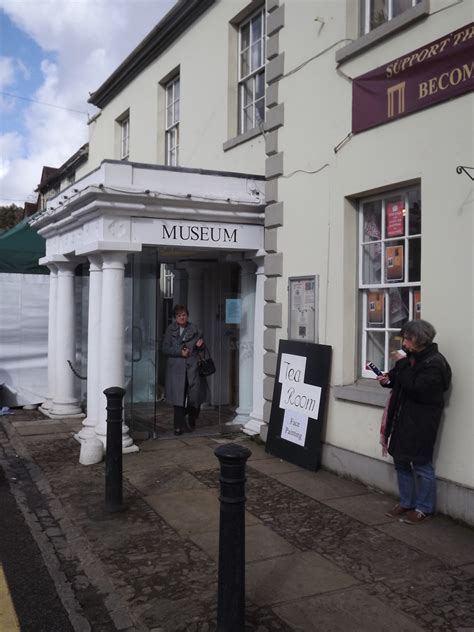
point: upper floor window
(125, 137)
(252, 72)
(172, 122)
(389, 272)
(377, 12)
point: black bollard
(113, 452)
(231, 581)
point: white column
(53, 284)
(256, 421)
(93, 346)
(65, 403)
(246, 344)
(112, 340)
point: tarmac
(320, 553)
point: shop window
(252, 72)
(374, 13)
(389, 272)
(172, 122)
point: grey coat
(179, 368)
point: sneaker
(415, 517)
(397, 510)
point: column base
(62, 412)
(241, 418)
(46, 405)
(86, 432)
(253, 426)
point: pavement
(320, 553)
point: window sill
(241, 138)
(364, 391)
(403, 21)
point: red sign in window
(395, 219)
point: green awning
(20, 249)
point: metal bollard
(231, 580)
(113, 453)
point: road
(29, 588)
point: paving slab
(42, 428)
(153, 445)
(154, 480)
(440, 537)
(260, 543)
(187, 455)
(352, 609)
(368, 508)
(190, 511)
(273, 466)
(292, 577)
(320, 485)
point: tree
(10, 216)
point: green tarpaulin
(20, 249)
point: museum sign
(441, 70)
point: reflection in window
(252, 72)
(374, 13)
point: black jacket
(416, 405)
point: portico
(116, 211)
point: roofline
(174, 23)
(74, 161)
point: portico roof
(124, 203)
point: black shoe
(191, 423)
(178, 432)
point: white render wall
(202, 55)
(319, 229)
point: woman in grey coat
(184, 387)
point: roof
(175, 22)
(51, 175)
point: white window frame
(124, 137)
(254, 74)
(384, 286)
(172, 116)
(367, 5)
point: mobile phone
(373, 367)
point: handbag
(206, 364)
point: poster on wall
(233, 311)
(299, 403)
(302, 321)
(417, 304)
(394, 263)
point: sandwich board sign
(299, 403)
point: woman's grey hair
(420, 331)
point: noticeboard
(299, 403)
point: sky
(53, 53)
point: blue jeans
(417, 485)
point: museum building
(298, 170)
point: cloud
(83, 42)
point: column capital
(95, 263)
(113, 260)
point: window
(389, 272)
(252, 72)
(172, 122)
(377, 12)
(124, 137)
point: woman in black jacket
(418, 382)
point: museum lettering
(200, 233)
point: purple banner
(441, 70)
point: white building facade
(233, 152)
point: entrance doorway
(156, 280)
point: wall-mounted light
(460, 169)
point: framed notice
(394, 263)
(302, 308)
(375, 311)
(233, 311)
(299, 403)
